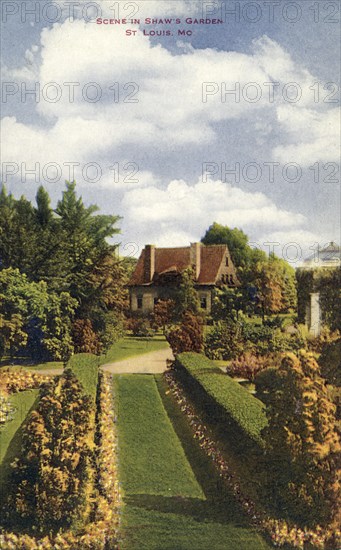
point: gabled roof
(179, 259)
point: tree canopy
(60, 256)
(266, 281)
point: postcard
(170, 172)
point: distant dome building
(329, 256)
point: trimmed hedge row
(85, 367)
(224, 401)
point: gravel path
(154, 362)
(148, 363)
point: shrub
(12, 381)
(112, 330)
(53, 478)
(163, 314)
(188, 336)
(224, 398)
(139, 327)
(302, 445)
(262, 339)
(266, 383)
(224, 341)
(84, 337)
(330, 362)
(246, 366)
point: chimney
(195, 258)
(149, 263)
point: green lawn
(130, 347)
(174, 499)
(10, 434)
(26, 365)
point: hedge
(85, 367)
(224, 400)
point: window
(139, 302)
(203, 302)
(226, 261)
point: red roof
(179, 259)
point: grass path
(173, 497)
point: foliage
(269, 279)
(262, 339)
(85, 367)
(13, 381)
(139, 327)
(12, 335)
(84, 337)
(76, 272)
(327, 336)
(228, 302)
(112, 328)
(186, 297)
(301, 444)
(330, 362)
(243, 256)
(276, 285)
(163, 314)
(101, 532)
(188, 336)
(266, 382)
(326, 281)
(31, 315)
(246, 366)
(224, 341)
(52, 479)
(235, 402)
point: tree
(301, 443)
(40, 319)
(85, 338)
(186, 297)
(276, 285)
(12, 335)
(65, 253)
(227, 303)
(163, 314)
(188, 336)
(243, 256)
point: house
(158, 273)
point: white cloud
(315, 136)
(294, 245)
(168, 89)
(185, 211)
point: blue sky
(169, 159)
